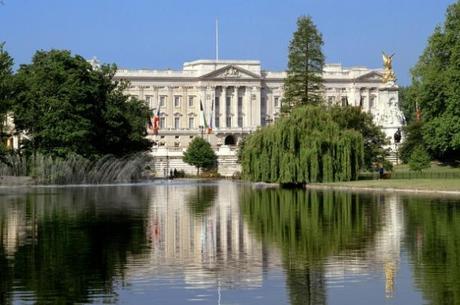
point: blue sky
(165, 33)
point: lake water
(224, 242)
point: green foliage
(407, 102)
(67, 107)
(241, 144)
(308, 227)
(436, 80)
(6, 92)
(83, 241)
(6, 81)
(3, 155)
(200, 154)
(306, 146)
(414, 138)
(419, 159)
(348, 117)
(303, 84)
(201, 200)
(432, 235)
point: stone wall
(165, 160)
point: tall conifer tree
(304, 81)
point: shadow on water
(308, 227)
(72, 243)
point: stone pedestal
(387, 113)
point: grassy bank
(445, 185)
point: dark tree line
(62, 105)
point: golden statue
(388, 74)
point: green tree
(6, 93)
(414, 138)
(407, 102)
(306, 146)
(419, 159)
(200, 154)
(66, 106)
(304, 83)
(436, 79)
(349, 117)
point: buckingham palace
(238, 96)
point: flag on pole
(149, 124)
(210, 118)
(156, 121)
(203, 123)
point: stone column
(223, 108)
(244, 112)
(369, 100)
(235, 108)
(247, 107)
(256, 118)
(170, 109)
(212, 106)
(270, 104)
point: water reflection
(309, 227)
(225, 242)
(200, 232)
(61, 246)
(433, 237)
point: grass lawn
(413, 184)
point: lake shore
(421, 186)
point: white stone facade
(238, 96)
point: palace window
(190, 101)
(162, 101)
(344, 101)
(228, 104)
(191, 123)
(229, 121)
(277, 100)
(177, 122)
(162, 122)
(177, 99)
(148, 99)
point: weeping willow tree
(306, 146)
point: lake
(224, 242)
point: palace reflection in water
(225, 242)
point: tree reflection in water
(433, 238)
(201, 199)
(308, 227)
(68, 245)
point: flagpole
(217, 40)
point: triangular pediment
(231, 72)
(372, 76)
